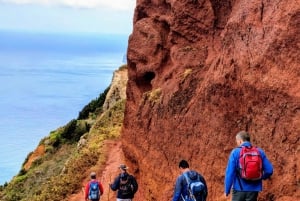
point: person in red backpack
(247, 167)
(93, 189)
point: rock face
(199, 72)
(117, 88)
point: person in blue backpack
(93, 189)
(247, 167)
(190, 185)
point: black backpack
(126, 185)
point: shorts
(244, 195)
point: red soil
(107, 175)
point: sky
(67, 16)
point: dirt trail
(110, 171)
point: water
(45, 80)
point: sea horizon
(46, 79)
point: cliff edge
(199, 72)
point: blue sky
(71, 16)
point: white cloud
(112, 4)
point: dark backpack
(250, 163)
(94, 191)
(195, 187)
(126, 185)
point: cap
(123, 167)
(93, 174)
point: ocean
(45, 80)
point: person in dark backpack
(125, 184)
(247, 167)
(93, 189)
(190, 185)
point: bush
(93, 105)
(69, 130)
(74, 130)
(22, 172)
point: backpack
(250, 163)
(94, 191)
(195, 187)
(126, 186)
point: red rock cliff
(199, 72)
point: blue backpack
(94, 191)
(195, 187)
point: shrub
(93, 105)
(69, 129)
(22, 172)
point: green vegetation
(59, 171)
(153, 96)
(95, 106)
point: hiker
(93, 189)
(247, 167)
(185, 183)
(125, 184)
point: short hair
(243, 135)
(183, 164)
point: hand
(226, 197)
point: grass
(153, 96)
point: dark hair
(93, 175)
(183, 164)
(243, 135)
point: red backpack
(250, 163)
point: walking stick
(83, 192)
(109, 187)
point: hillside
(60, 165)
(199, 72)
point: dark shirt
(115, 186)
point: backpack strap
(238, 171)
(186, 178)
(188, 181)
(239, 181)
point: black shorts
(244, 195)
